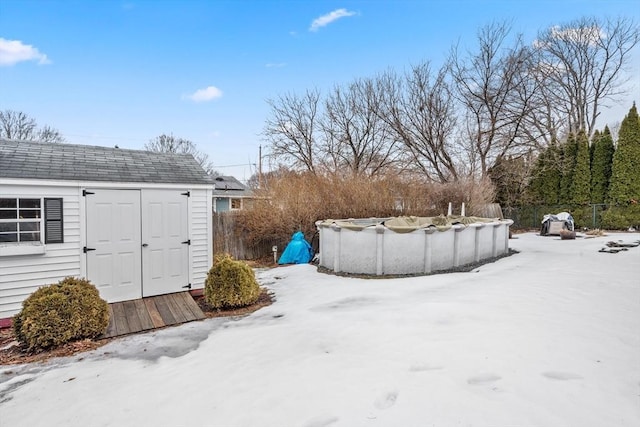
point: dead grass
(595, 232)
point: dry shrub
(295, 201)
(230, 284)
(56, 314)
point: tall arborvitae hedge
(508, 175)
(580, 188)
(592, 147)
(624, 188)
(602, 147)
(625, 173)
(569, 156)
(544, 187)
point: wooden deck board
(132, 316)
(128, 317)
(156, 318)
(143, 315)
(120, 319)
(176, 310)
(165, 312)
(111, 328)
(179, 303)
(192, 305)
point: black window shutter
(53, 226)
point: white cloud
(589, 35)
(14, 51)
(327, 19)
(207, 94)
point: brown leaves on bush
(294, 201)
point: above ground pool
(410, 245)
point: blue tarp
(298, 251)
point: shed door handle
(144, 245)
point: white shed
(135, 223)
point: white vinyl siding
(23, 274)
(201, 235)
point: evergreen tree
(601, 165)
(625, 171)
(508, 175)
(569, 155)
(592, 147)
(534, 189)
(580, 188)
(544, 187)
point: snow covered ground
(548, 337)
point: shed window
(20, 220)
(236, 203)
(25, 219)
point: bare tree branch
(492, 88)
(355, 137)
(583, 63)
(419, 109)
(292, 127)
(19, 126)
(171, 144)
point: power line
(233, 166)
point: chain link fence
(524, 217)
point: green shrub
(621, 217)
(582, 216)
(55, 314)
(230, 284)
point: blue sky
(123, 72)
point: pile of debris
(552, 225)
(619, 246)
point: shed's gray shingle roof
(35, 160)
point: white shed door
(113, 243)
(165, 242)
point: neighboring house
(230, 194)
(135, 223)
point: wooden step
(128, 317)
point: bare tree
(171, 144)
(355, 138)
(544, 122)
(292, 128)
(491, 87)
(19, 126)
(419, 108)
(582, 64)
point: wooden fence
(228, 238)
